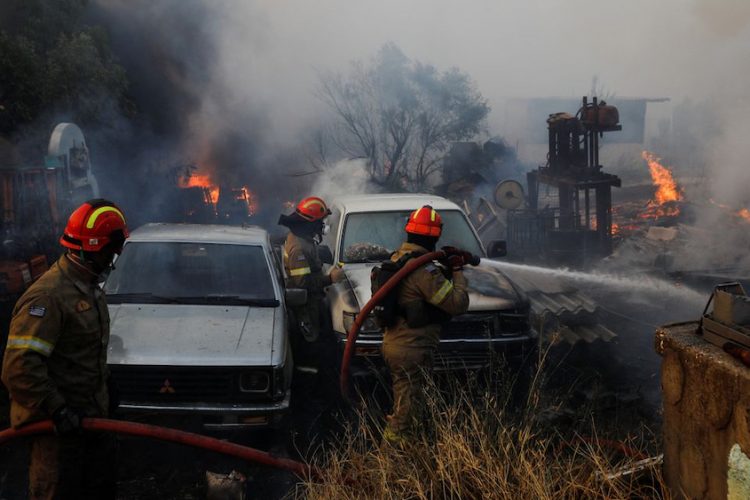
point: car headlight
(254, 382)
(369, 326)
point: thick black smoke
(186, 113)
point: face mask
(326, 229)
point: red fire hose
(172, 435)
(351, 336)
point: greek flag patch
(37, 311)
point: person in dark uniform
(55, 362)
(427, 298)
(304, 269)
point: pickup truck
(364, 229)
(199, 326)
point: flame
(248, 197)
(204, 181)
(742, 213)
(667, 190)
(666, 186)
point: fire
(668, 193)
(666, 186)
(203, 181)
(246, 196)
(742, 213)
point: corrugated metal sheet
(561, 311)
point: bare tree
(401, 115)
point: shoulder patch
(82, 306)
(301, 257)
(37, 311)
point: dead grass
(471, 446)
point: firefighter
(55, 363)
(304, 267)
(427, 298)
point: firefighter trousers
(410, 368)
(80, 466)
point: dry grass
(471, 447)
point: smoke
(190, 109)
(230, 85)
(344, 178)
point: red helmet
(93, 225)
(312, 209)
(425, 221)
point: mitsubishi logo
(166, 387)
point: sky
(675, 48)
(233, 82)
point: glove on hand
(466, 257)
(455, 262)
(67, 421)
(337, 274)
(114, 396)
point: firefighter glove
(67, 421)
(468, 257)
(337, 274)
(455, 262)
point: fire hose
(170, 435)
(377, 297)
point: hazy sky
(238, 77)
(695, 48)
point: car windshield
(196, 273)
(372, 235)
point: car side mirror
(295, 296)
(325, 254)
(497, 248)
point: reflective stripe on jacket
(303, 266)
(57, 346)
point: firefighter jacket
(57, 346)
(304, 268)
(427, 284)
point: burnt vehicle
(363, 230)
(199, 325)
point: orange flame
(742, 213)
(204, 181)
(248, 197)
(666, 186)
(667, 190)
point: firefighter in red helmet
(55, 362)
(427, 298)
(304, 269)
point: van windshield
(196, 273)
(371, 236)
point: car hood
(489, 288)
(204, 335)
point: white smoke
(343, 178)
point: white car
(364, 229)
(199, 325)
